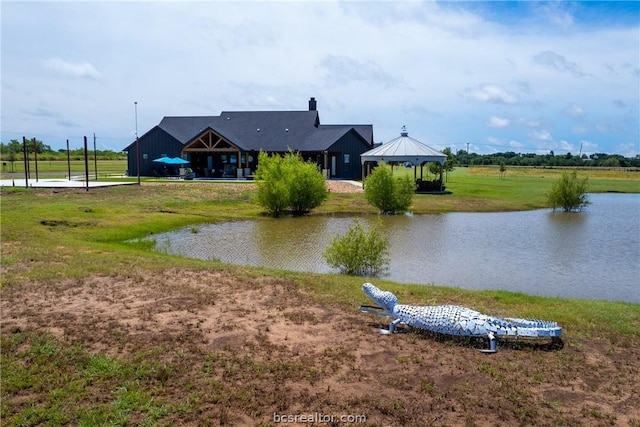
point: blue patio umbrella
(171, 160)
(177, 161)
(164, 159)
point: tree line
(511, 158)
(14, 151)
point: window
(346, 158)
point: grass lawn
(100, 331)
(59, 169)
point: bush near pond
(359, 252)
(569, 192)
(388, 193)
(288, 184)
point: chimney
(312, 104)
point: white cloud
(497, 122)
(566, 146)
(575, 111)
(628, 149)
(556, 13)
(491, 93)
(528, 122)
(342, 70)
(451, 71)
(515, 144)
(558, 62)
(542, 135)
(589, 147)
(80, 69)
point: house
(227, 146)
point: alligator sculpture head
(385, 299)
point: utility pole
(467, 154)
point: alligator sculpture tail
(455, 320)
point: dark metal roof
(267, 130)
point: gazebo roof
(403, 149)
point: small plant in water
(359, 252)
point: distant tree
(10, 151)
(358, 252)
(435, 168)
(389, 194)
(503, 169)
(448, 164)
(569, 192)
(611, 162)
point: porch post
(239, 169)
(325, 169)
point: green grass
(59, 169)
(481, 189)
(49, 236)
(73, 234)
(68, 376)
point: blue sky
(500, 76)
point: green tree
(288, 184)
(569, 192)
(307, 186)
(273, 192)
(10, 151)
(448, 164)
(359, 252)
(389, 194)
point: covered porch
(213, 156)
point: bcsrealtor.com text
(318, 417)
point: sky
(523, 76)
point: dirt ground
(247, 349)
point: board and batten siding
(153, 144)
(348, 147)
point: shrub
(358, 252)
(569, 192)
(288, 184)
(307, 186)
(273, 193)
(389, 194)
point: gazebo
(405, 149)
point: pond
(594, 254)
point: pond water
(594, 254)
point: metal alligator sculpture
(455, 320)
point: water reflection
(592, 254)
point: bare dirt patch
(334, 186)
(246, 349)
